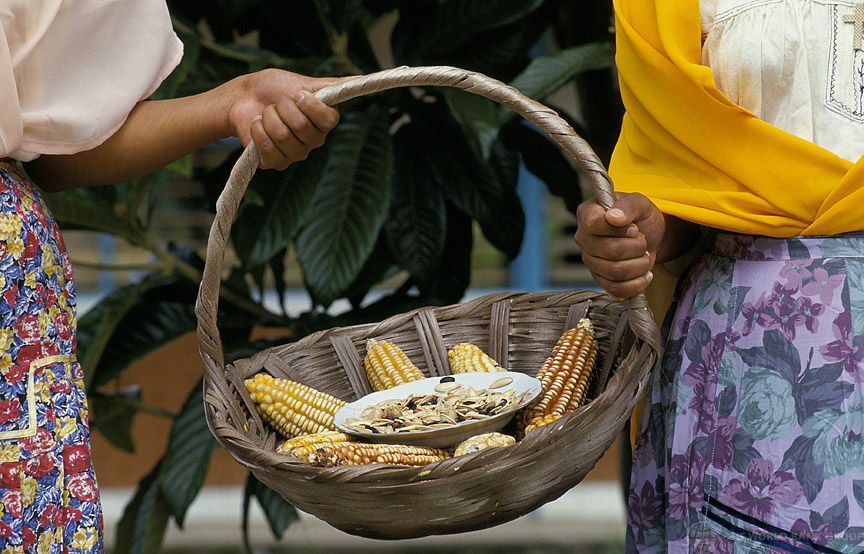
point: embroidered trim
(765, 534)
(31, 395)
(832, 98)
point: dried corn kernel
(292, 408)
(482, 442)
(540, 421)
(359, 453)
(302, 446)
(387, 366)
(466, 357)
(565, 374)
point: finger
(272, 156)
(625, 289)
(290, 125)
(593, 220)
(618, 270)
(322, 116)
(629, 208)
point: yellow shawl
(705, 159)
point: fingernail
(649, 276)
(300, 97)
(615, 212)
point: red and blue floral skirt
(49, 502)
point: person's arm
(272, 107)
(621, 246)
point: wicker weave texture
(519, 330)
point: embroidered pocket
(844, 87)
(20, 413)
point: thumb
(630, 208)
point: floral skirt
(48, 497)
(752, 439)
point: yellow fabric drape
(703, 158)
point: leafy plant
(393, 195)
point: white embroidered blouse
(797, 64)
(71, 70)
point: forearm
(155, 134)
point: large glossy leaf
(268, 226)
(455, 22)
(546, 161)
(477, 188)
(279, 513)
(113, 413)
(350, 204)
(88, 209)
(145, 319)
(416, 227)
(97, 326)
(187, 456)
(142, 528)
(448, 283)
(547, 74)
(380, 265)
(480, 118)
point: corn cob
(360, 453)
(292, 408)
(540, 421)
(482, 442)
(387, 366)
(466, 357)
(302, 446)
(565, 374)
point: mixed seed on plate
(451, 403)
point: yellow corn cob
(482, 442)
(565, 374)
(292, 408)
(466, 357)
(541, 421)
(387, 366)
(303, 445)
(360, 453)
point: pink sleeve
(78, 68)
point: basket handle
(548, 120)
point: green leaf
(478, 116)
(416, 227)
(546, 161)
(97, 326)
(279, 513)
(134, 321)
(142, 528)
(546, 74)
(114, 414)
(350, 204)
(455, 22)
(449, 281)
(477, 188)
(262, 230)
(187, 456)
(88, 209)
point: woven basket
(461, 494)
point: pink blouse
(72, 70)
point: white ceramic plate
(526, 386)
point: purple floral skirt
(752, 439)
(49, 502)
